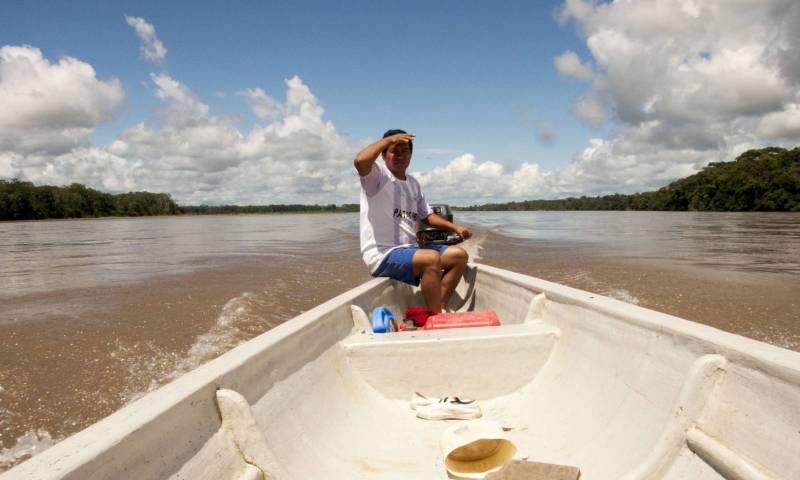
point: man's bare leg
(427, 265)
(454, 262)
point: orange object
(486, 318)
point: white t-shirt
(391, 210)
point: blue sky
(474, 79)
(471, 77)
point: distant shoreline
(177, 215)
(455, 209)
(761, 180)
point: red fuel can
(486, 318)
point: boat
(576, 378)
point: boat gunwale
(738, 348)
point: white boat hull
(581, 379)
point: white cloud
(90, 165)
(8, 165)
(262, 104)
(183, 106)
(677, 83)
(464, 179)
(569, 65)
(199, 157)
(51, 107)
(681, 83)
(784, 124)
(295, 156)
(590, 110)
(467, 181)
(152, 48)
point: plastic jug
(486, 318)
(382, 320)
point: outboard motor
(428, 235)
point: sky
(258, 102)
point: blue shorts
(397, 263)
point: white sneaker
(446, 408)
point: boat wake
(774, 335)
(150, 366)
(620, 294)
(27, 445)
(585, 281)
(224, 335)
(474, 246)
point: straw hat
(474, 448)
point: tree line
(25, 201)
(272, 208)
(766, 179)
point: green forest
(278, 208)
(26, 201)
(766, 179)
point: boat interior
(575, 378)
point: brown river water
(96, 313)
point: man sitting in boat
(392, 207)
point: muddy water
(95, 313)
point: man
(392, 206)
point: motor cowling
(428, 235)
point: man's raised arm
(367, 156)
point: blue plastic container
(381, 320)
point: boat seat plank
(474, 334)
(398, 364)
